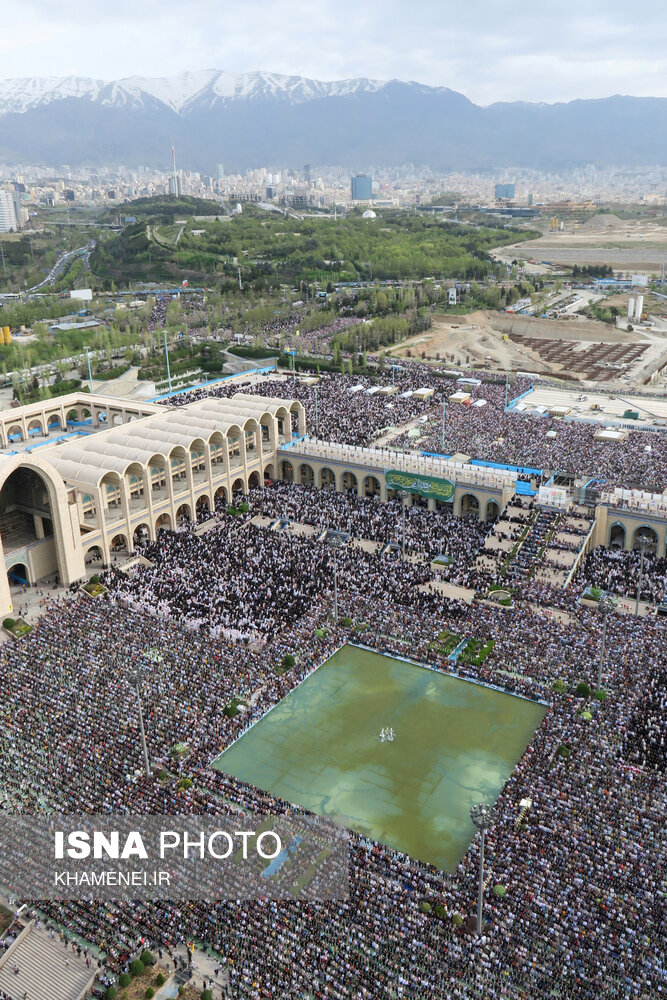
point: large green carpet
(455, 744)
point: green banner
(428, 486)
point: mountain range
(252, 119)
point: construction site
(572, 348)
(604, 239)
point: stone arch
(73, 415)
(268, 471)
(370, 486)
(178, 459)
(35, 427)
(142, 533)
(216, 447)
(53, 421)
(34, 506)
(651, 536)
(253, 480)
(116, 419)
(328, 478)
(203, 504)
(119, 543)
(492, 510)
(238, 486)
(15, 432)
(469, 504)
(287, 471)
(18, 574)
(163, 523)
(617, 535)
(93, 554)
(306, 474)
(184, 513)
(350, 481)
(220, 497)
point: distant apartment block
(362, 187)
(9, 212)
(504, 192)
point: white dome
(369, 214)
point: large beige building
(87, 474)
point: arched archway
(119, 544)
(220, 497)
(163, 523)
(253, 481)
(650, 536)
(327, 478)
(287, 471)
(617, 536)
(15, 433)
(142, 534)
(18, 575)
(35, 428)
(306, 474)
(53, 423)
(203, 506)
(73, 416)
(93, 555)
(117, 419)
(469, 504)
(184, 513)
(25, 510)
(492, 510)
(371, 486)
(238, 486)
(350, 481)
(268, 471)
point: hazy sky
(488, 49)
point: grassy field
(455, 744)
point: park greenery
(270, 248)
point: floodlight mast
(483, 817)
(605, 606)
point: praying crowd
(343, 414)
(211, 617)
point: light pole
(166, 357)
(643, 542)
(90, 374)
(134, 675)
(334, 543)
(403, 495)
(605, 606)
(444, 410)
(483, 817)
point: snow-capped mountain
(178, 93)
(252, 119)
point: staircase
(47, 969)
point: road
(62, 264)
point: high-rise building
(8, 217)
(175, 186)
(504, 192)
(362, 187)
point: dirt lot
(582, 350)
(605, 239)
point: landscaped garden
(17, 627)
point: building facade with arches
(122, 472)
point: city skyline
(486, 52)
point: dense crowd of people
(617, 570)
(213, 618)
(485, 432)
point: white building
(9, 221)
